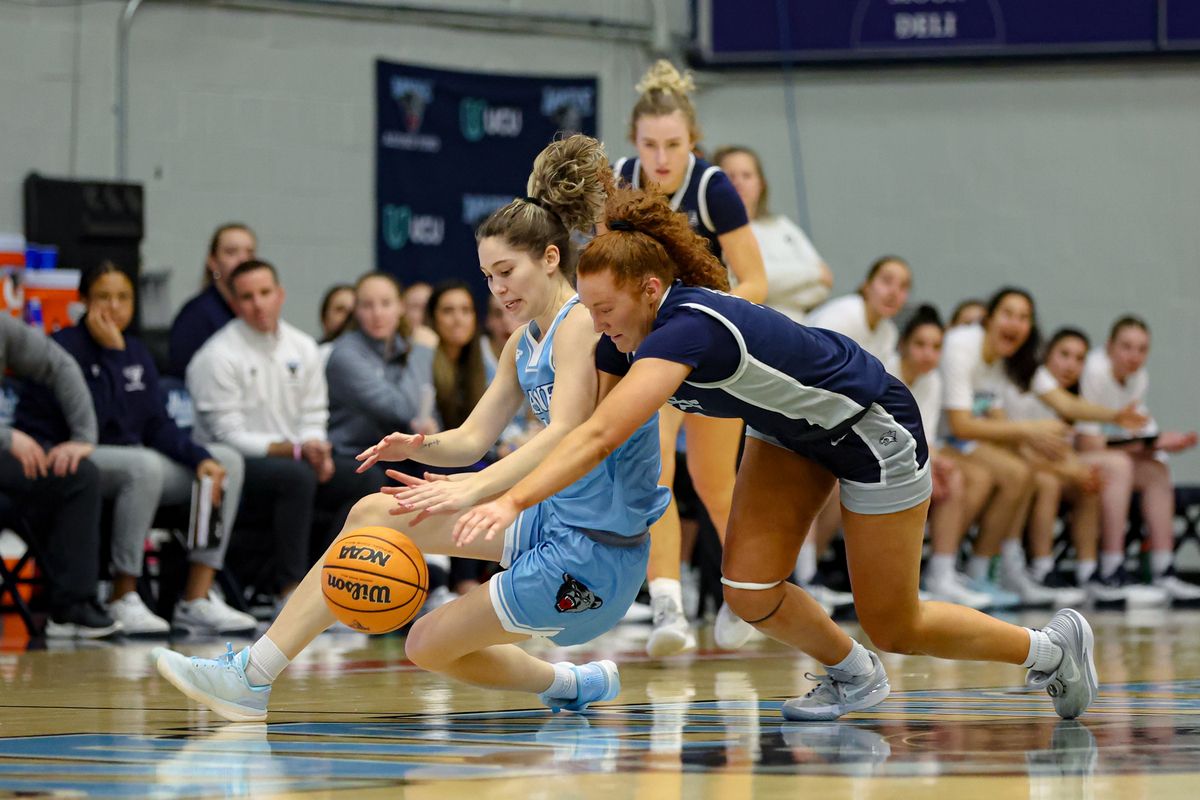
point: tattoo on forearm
(430, 443)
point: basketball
(375, 580)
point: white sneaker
(953, 588)
(1180, 591)
(1034, 593)
(730, 631)
(135, 618)
(210, 615)
(827, 597)
(671, 633)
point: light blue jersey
(574, 563)
(621, 495)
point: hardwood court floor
(351, 719)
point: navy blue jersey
(706, 195)
(788, 381)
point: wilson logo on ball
(357, 590)
(365, 554)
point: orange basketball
(375, 580)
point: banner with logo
(451, 148)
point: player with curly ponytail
(819, 410)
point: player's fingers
(408, 480)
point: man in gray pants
(58, 490)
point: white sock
(265, 663)
(941, 567)
(1012, 554)
(806, 563)
(1084, 570)
(564, 686)
(978, 567)
(667, 587)
(857, 664)
(1110, 563)
(1042, 566)
(1160, 562)
(1044, 655)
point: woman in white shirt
(1098, 484)
(866, 316)
(977, 363)
(798, 279)
(958, 486)
(1117, 376)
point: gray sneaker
(838, 693)
(1073, 685)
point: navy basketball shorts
(881, 461)
(563, 583)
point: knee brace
(756, 587)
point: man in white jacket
(259, 385)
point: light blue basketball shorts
(563, 583)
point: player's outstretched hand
(488, 519)
(436, 494)
(393, 447)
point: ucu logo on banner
(401, 225)
(477, 119)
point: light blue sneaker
(219, 683)
(597, 681)
(1001, 598)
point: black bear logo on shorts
(573, 596)
(888, 438)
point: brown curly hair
(645, 237)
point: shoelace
(823, 682)
(223, 661)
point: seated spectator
(459, 365)
(798, 279)
(461, 375)
(336, 307)
(1116, 376)
(209, 311)
(866, 316)
(1107, 471)
(969, 312)
(959, 489)
(416, 309)
(259, 386)
(978, 363)
(378, 380)
(58, 489)
(145, 461)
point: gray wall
(1079, 181)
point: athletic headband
(542, 204)
(620, 225)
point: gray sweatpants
(141, 480)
